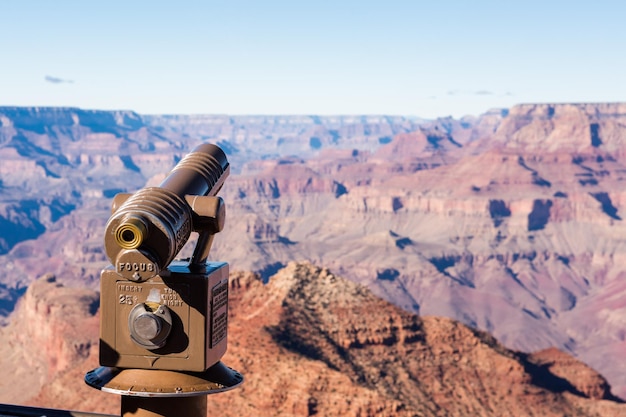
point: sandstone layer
(312, 343)
(511, 222)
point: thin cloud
(57, 80)
(458, 92)
(468, 93)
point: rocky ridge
(258, 137)
(312, 343)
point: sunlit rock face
(310, 342)
(511, 222)
(516, 229)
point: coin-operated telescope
(163, 322)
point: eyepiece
(130, 233)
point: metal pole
(164, 407)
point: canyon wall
(511, 222)
(308, 344)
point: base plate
(159, 383)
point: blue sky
(420, 58)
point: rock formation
(312, 343)
(52, 337)
(60, 167)
(511, 222)
(517, 234)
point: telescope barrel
(201, 172)
(148, 229)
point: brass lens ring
(130, 234)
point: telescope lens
(130, 234)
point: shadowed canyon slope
(312, 343)
(511, 222)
